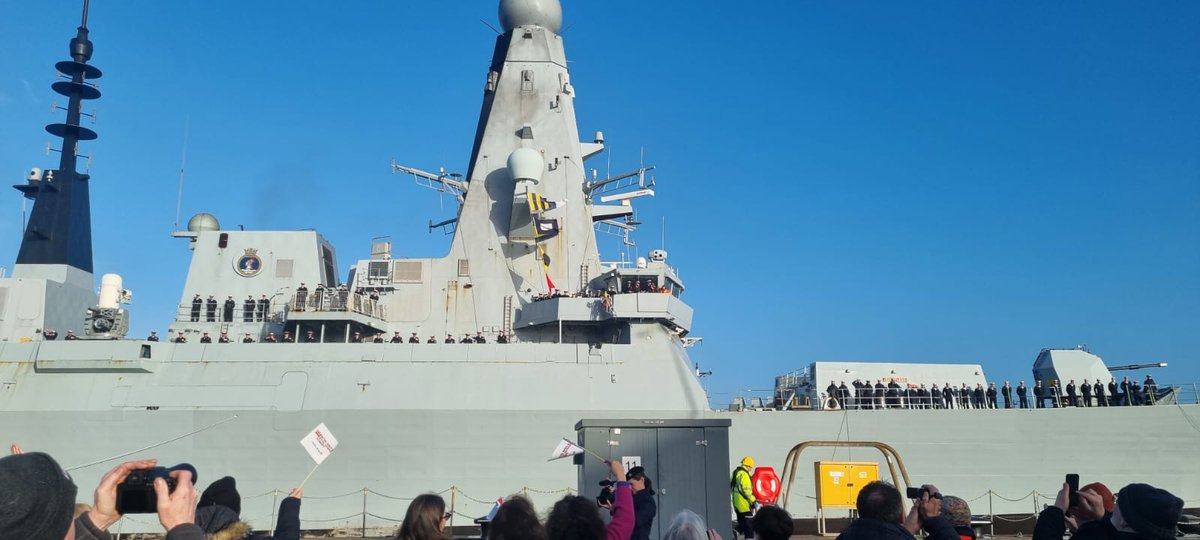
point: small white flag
(319, 443)
(566, 449)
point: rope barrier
(385, 518)
(979, 497)
(1002, 497)
(272, 492)
(333, 519)
(373, 492)
(564, 490)
(470, 498)
(355, 492)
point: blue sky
(928, 182)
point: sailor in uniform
(377, 339)
(180, 339)
(832, 396)
(1006, 393)
(1112, 391)
(223, 338)
(70, 335)
(227, 313)
(1098, 389)
(287, 337)
(396, 338)
(357, 337)
(467, 339)
(247, 339)
(301, 296)
(196, 302)
(153, 336)
(205, 339)
(431, 340)
(991, 396)
(264, 303)
(1151, 390)
(1072, 398)
(1086, 390)
(411, 339)
(310, 337)
(1022, 396)
(271, 338)
(248, 308)
(449, 338)
(479, 338)
(210, 309)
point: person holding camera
(1141, 511)
(40, 499)
(881, 515)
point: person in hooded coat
(218, 514)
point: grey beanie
(37, 498)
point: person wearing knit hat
(1141, 512)
(958, 513)
(1105, 494)
(37, 498)
(1148, 511)
(222, 492)
(218, 514)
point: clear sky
(927, 182)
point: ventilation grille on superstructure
(283, 268)
(406, 272)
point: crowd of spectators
(39, 503)
(1139, 511)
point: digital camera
(136, 494)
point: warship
(457, 374)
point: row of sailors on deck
(252, 310)
(630, 286)
(333, 298)
(893, 396)
(311, 337)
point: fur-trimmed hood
(238, 530)
(220, 523)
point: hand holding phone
(1073, 490)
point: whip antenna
(187, 122)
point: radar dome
(526, 164)
(544, 13)
(203, 222)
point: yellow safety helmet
(748, 462)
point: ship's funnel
(544, 13)
(526, 164)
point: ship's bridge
(647, 292)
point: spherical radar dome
(203, 222)
(544, 13)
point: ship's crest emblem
(249, 264)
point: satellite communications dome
(526, 164)
(544, 13)
(203, 222)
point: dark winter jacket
(937, 528)
(1052, 524)
(221, 523)
(85, 530)
(644, 510)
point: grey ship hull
(483, 419)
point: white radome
(544, 13)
